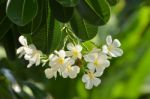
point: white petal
(68, 53)
(116, 43)
(23, 40)
(70, 46)
(28, 50)
(30, 64)
(105, 49)
(106, 63)
(72, 75)
(80, 56)
(99, 72)
(85, 78)
(79, 48)
(37, 61)
(89, 85)
(32, 46)
(21, 54)
(102, 56)
(71, 61)
(27, 57)
(109, 40)
(51, 56)
(62, 53)
(76, 69)
(91, 66)
(20, 49)
(50, 73)
(64, 74)
(95, 50)
(96, 82)
(116, 52)
(89, 57)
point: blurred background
(128, 77)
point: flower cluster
(29, 51)
(64, 62)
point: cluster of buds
(64, 62)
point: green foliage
(68, 3)
(41, 21)
(61, 13)
(82, 29)
(21, 12)
(44, 19)
(96, 13)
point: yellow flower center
(60, 60)
(110, 47)
(69, 68)
(96, 63)
(75, 53)
(91, 75)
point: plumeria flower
(32, 55)
(23, 42)
(91, 79)
(97, 61)
(59, 61)
(74, 51)
(112, 47)
(71, 71)
(50, 73)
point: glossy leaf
(68, 3)
(82, 29)
(21, 12)
(38, 93)
(9, 45)
(113, 2)
(49, 37)
(96, 13)
(5, 23)
(61, 13)
(34, 25)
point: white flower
(23, 42)
(71, 71)
(90, 79)
(74, 51)
(32, 55)
(50, 73)
(97, 60)
(112, 47)
(58, 62)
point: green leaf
(68, 3)
(49, 37)
(21, 12)
(63, 14)
(89, 45)
(5, 23)
(33, 26)
(112, 2)
(2, 1)
(81, 28)
(95, 12)
(38, 93)
(9, 45)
